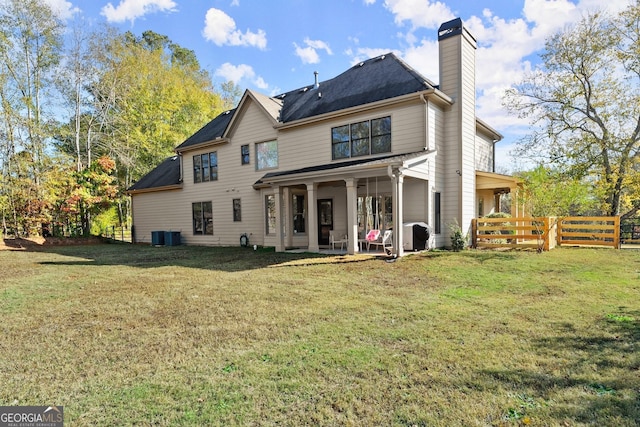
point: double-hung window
(361, 138)
(205, 167)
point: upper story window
(267, 155)
(361, 139)
(244, 155)
(205, 167)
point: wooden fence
(122, 234)
(544, 233)
(589, 231)
(521, 233)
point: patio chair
(341, 241)
(385, 241)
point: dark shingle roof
(165, 174)
(373, 80)
(382, 160)
(212, 130)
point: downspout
(181, 167)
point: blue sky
(274, 46)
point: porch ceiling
(496, 181)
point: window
(202, 218)
(237, 213)
(299, 213)
(340, 142)
(244, 155)
(438, 216)
(205, 167)
(270, 213)
(267, 155)
(361, 139)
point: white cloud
(241, 73)
(220, 28)
(369, 2)
(506, 48)
(63, 8)
(309, 53)
(421, 13)
(130, 10)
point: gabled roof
(163, 176)
(372, 80)
(209, 132)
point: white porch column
(398, 214)
(279, 223)
(352, 215)
(312, 233)
(288, 217)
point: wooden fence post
(474, 232)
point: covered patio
(347, 200)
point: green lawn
(123, 335)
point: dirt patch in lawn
(36, 242)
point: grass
(136, 335)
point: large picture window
(202, 218)
(361, 139)
(267, 155)
(205, 167)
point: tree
(30, 44)
(148, 95)
(550, 192)
(584, 102)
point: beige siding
(311, 144)
(415, 200)
(157, 211)
(457, 79)
(484, 153)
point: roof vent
(380, 58)
(361, 64)
(227, 112)
(316, 85)
(304, 89)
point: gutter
(436, 94)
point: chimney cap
(450, 29)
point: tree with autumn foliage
(92, 190)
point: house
(377, 147)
